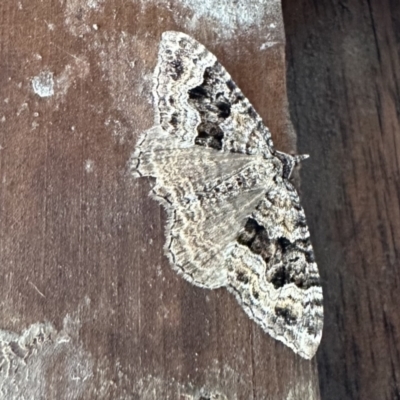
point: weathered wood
(81, 242)
(344, 76)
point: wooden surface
(90, 308)
(343, 84)
(90, 304)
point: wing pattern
(234, 219)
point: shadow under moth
(234, 219)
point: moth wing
(273, 274)
(208, 195)
(197, 101)
(233, 219)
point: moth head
(289, 162)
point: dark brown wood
(344, 74)
(81, 241)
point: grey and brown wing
(233, 218)
(197, 101)
(208, 196)
(273, 274)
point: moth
(234, 218)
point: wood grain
(81, 241)
(343, 80)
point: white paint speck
(94, 3)
(95, 27)
(29, 358)
(43, 84)
(36, 289)
(23, 107)
(89, 165)
(267, 45)
(243, 14)
(50, 26)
